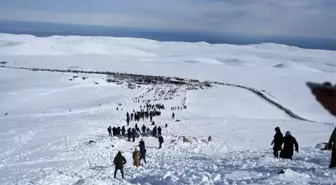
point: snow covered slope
(280, 70)
(44, 139)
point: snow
(44, 139)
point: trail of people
(69, 141)
(250, 89)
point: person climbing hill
(288, 149)
(142, 150)
(277, 142)
(160, 141)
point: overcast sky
(308, 18)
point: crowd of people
(147, 112)
(285, 145)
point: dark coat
(160, 139)
(288, 149)
(119, 161)
(277, 141)
(159, 130)
(332, 140)
(129, 133)
(123, 131)
(142, 147)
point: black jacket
(119, 161)
(277, 141)
(161, 139)
(142, 147)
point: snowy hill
(53, 114)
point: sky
(294, 18)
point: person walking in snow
(114, 131)
(123, 131)
(154, 131)
(118, 132)
(129, 134)
(127, 121)
(133, 134)
(143, 128)
(288, 150)
(332, 146)
(127, 116)
(277, 142)
(160, 141)
(119, 162)
(132, 116)
(142, 150)
(209, 138)
(159, 130)
(136, 158)
(173, 115)
(109, 130)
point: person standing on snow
(277, 142)
(288, 149)
(332, 146)
(118, 132)
(143, 128)
(137, 128)
(209, 138)
(142, 150)
(159, 130)
(127, 121)
(129, 134)
(123, 131)
(160, 141)
(109, 130)
(133, 134)
(154, 131)
(119, 162)
(136, 158)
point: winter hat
(288, 133)
(277, 129)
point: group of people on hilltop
(146, 111)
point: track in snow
(150, 79)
